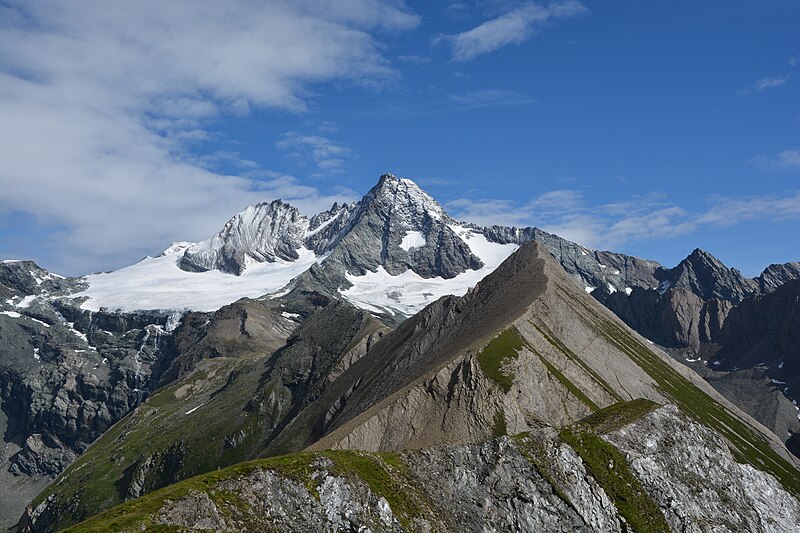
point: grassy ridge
(383, 473)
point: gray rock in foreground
(533, 482)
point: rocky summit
(383, 366)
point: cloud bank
(608, 226)
(100, 101)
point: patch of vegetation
(536, 454)
(608, 466)
(617, 415)
(497, 353)
(500, 427)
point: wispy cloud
(785, 160)
(327, 156)
(513, 27)
(568, 214)
(100, 102)
(489, 98)
(765, 83)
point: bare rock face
(42, 455)
(764, 330)
(399, 226)
(695, 480)
(706, 276)
(776, 275)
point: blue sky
(640, 126)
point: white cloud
(98, 101)
(785, 160)
(730, 211)
(513, 27)
(327, 156)
(609, 226)
(765, 83)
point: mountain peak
(263, 232)
(702, 256)
(404, 198)
(708, 277)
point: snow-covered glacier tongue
(158, 283)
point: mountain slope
(235, 386)
(524, 347)
(593, 477)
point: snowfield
(156, 283)
(408, 293)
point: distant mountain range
(386, 325)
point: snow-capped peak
(263, 232)
(403, 199)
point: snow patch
(77, 333)
(12, 314)
(290, 316)
(611, 288)
(589, 289)
(36, 354)
(45, 324)
(193, 409)
(322, 226)
(412, 239)
(628, 291)
(159, 284)
(26, 302)
(781, 365)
